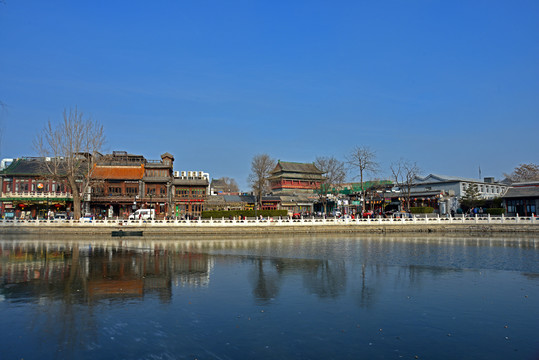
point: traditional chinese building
(190, 193)
(522, 199)
(157, 190)
(116, 190)
(28, 193)
(291, 177)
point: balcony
(36, 195)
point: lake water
(296, 297)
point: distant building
(222, 187)
(447, 191)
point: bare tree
(70, 148)
(524, 172)
(230, 184)
(404, 173)
(334, 173)
(363, 160)
(261, 165)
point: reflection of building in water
(97, 271)
(19, 264)
(192, 269)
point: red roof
(118, 172)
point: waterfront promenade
(476, 224)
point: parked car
(143, 214)
(401, 214)
(368, 214)
(87, 218)
(60, 216)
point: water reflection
(303, 296)
(89, 271)
(86, 271)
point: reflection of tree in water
(326, 278)
(367, 293)
(266, 280)
(63, 314)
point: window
(163, 191)
(131, 190)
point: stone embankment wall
(262, 229)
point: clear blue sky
(452, 85)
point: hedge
(495, 211)
(421, 210)
(218, 214)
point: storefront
(35, 208)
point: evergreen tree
(471, 196)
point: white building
(456, 187)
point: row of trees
(360, 162)
(73, 143)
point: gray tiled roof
(27, 167)
(522, 192)
(155, 179)
(436, 178)
(308, 168)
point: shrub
(495, 211)
(218, 214)
(421, 210)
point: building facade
(446, 191)
(291, 177)
(27, 193)
(522, 199)
(191, 190)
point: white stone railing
(416, 220)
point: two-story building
(157, 189)
(191, 189)
(123, 183)
(28, 193)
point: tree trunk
(76, 197)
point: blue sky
(452, 85)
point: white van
(143, 214)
